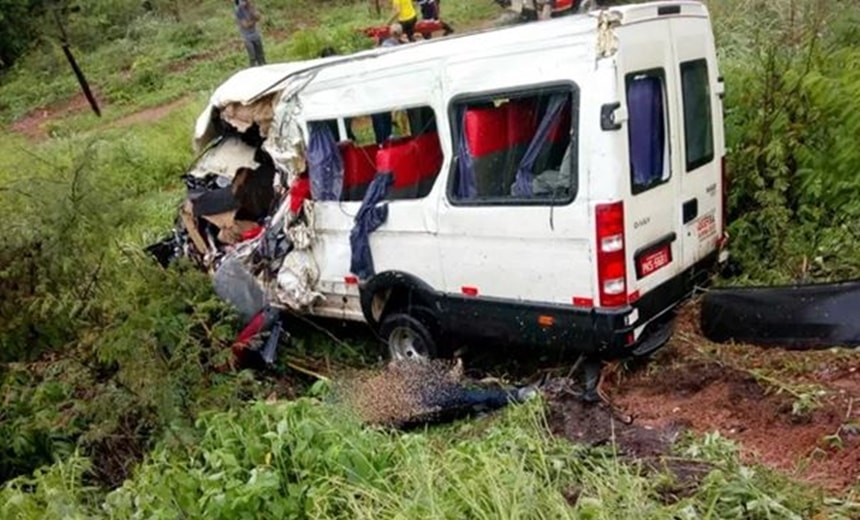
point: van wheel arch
(394, 292)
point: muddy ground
(796, 412)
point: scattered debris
(407, 393)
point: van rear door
(652, 242)
(700, 136)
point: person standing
(403, 12)
(430, 12)
(247, 18)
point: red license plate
(654, 260)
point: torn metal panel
(299, 274)
(242, 116)
(238, 287)
(287, 143)
(297, 279)
(224, 159)
(607, 40)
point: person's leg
(409, 28)
(427, 14)
(258, 51)
(249, 46)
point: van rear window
(698, 126)
(515, 148)
(646, 130)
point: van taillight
(611, 260)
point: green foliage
(17, 29)
(125, 349)
(791, 132)
(309, 459)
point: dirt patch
(599, 425)
(150, 115)
(747, 394)
(32, 124)
(710, 397)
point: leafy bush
(125, 350)
(791, 132)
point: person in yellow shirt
(403, 12)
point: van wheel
(408, 338)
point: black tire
(408, 337)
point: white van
(555, 184)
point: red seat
(522, 120)
(414, 162)
(487, 138)
(359, 167)
(429, 157)
(498, 138)
(398, 159)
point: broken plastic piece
(235, 285)
(799, 316)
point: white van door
(513, 224)
(701, 137)
(652, 212)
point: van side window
(404, 143)
(698, 126)
(646, 130)
(515, 148)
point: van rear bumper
(601, 332)
(652, 307)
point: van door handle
(691, 210)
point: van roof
(583, 27)
(635, 13)
(249, 85)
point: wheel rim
(405, 345)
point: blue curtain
(466, 186)
(646, 130)
(370, 216)
(523, 182)
(325, 166)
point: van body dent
(556, 184)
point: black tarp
(801, 316)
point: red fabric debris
(299, 191)
(254, 232)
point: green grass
(309, 459)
